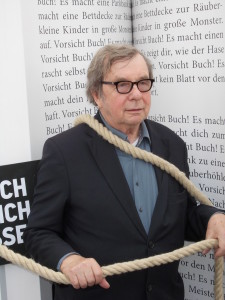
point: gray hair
(102, 62)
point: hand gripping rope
(138, 264)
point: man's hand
(83, 272)
(216, 230)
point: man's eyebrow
(125, 79)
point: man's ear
(96, 98)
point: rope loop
(138, 264)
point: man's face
(125, 112)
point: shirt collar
(123, 136)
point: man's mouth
(134, 109)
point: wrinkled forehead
(109, 63)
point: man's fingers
(204, 252)
(75, 283)
(83, 272)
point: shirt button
(137, 184)
(151, 244)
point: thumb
(104, 284)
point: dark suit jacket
(83, 203)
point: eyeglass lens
(126, 86)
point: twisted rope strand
(158, 260)
(138, 264)
(30, 264)
(110, 270)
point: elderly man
(95, 205)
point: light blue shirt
(140, 175)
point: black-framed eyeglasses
(124, 87)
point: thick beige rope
(117, 268)
(139, 264)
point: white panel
(16, 283)
(21, 284)
(14, 126)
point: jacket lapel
(159, 146)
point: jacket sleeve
(43, 236)
(198, 215)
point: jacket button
(149, 288)
(151, 245)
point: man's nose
(135, 91)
